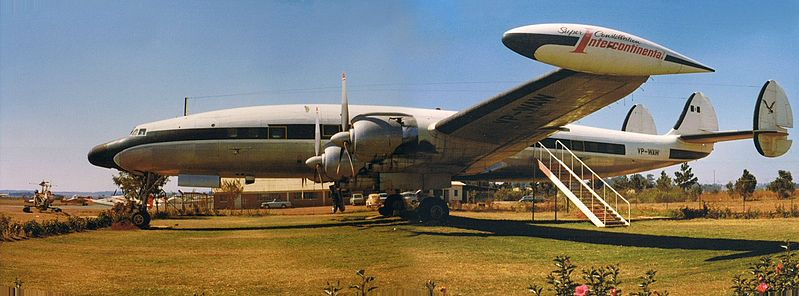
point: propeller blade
(319, 173)
(317, 134)
(338, 166)
(352, 166)
(345, 106)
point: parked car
(376, 200)
(275, 204)
(530, 198)
(357, 199)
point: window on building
(455, 193)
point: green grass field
(476, 254)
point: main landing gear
(394, 205)
(430, 209)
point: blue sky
(74, 74)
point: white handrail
(598, 177)
(591, 190)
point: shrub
(774, 276)
(77, 224)
(690, 213)
(598, 281)
(33, 229)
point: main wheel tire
(433, 209)
(140, 219)
(393, 206)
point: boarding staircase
(582, 186)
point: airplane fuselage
(275, 141)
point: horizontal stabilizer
(639, 120)
(772, 119)
(723, 136)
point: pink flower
(780, 266)
(581, 290)
(763, 287)
(613, 292)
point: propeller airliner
(393, 149)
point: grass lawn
(476, 254)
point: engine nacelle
(597, 50)
(333, 165)
(376, 136)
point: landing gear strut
(139, 215)
(338, 198)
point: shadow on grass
(337, 223)
(491, 228)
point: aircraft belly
(223, 158)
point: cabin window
(329, 130)
(300, 131)
(692, 108)
(233, 133)
(277, 132)
(697, 110)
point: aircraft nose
(102, 156)
(522, 43)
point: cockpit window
(134, 132)
(142, 132)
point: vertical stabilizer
(773, 117)
(698, 117)
(639, 120)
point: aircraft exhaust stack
(598, 50)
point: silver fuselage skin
(238, 142)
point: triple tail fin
(639, 120)
(697, 117)
(771, 121)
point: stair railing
(593, 176)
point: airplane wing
(530, 112)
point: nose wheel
(140, 219)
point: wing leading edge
(528, 113)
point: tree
(235, 188)
(639, 183)
(620, 182)
(730, 188)
(783, 185)
(131, 184)
(684, 178)
(664, 183)
(745, 186)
